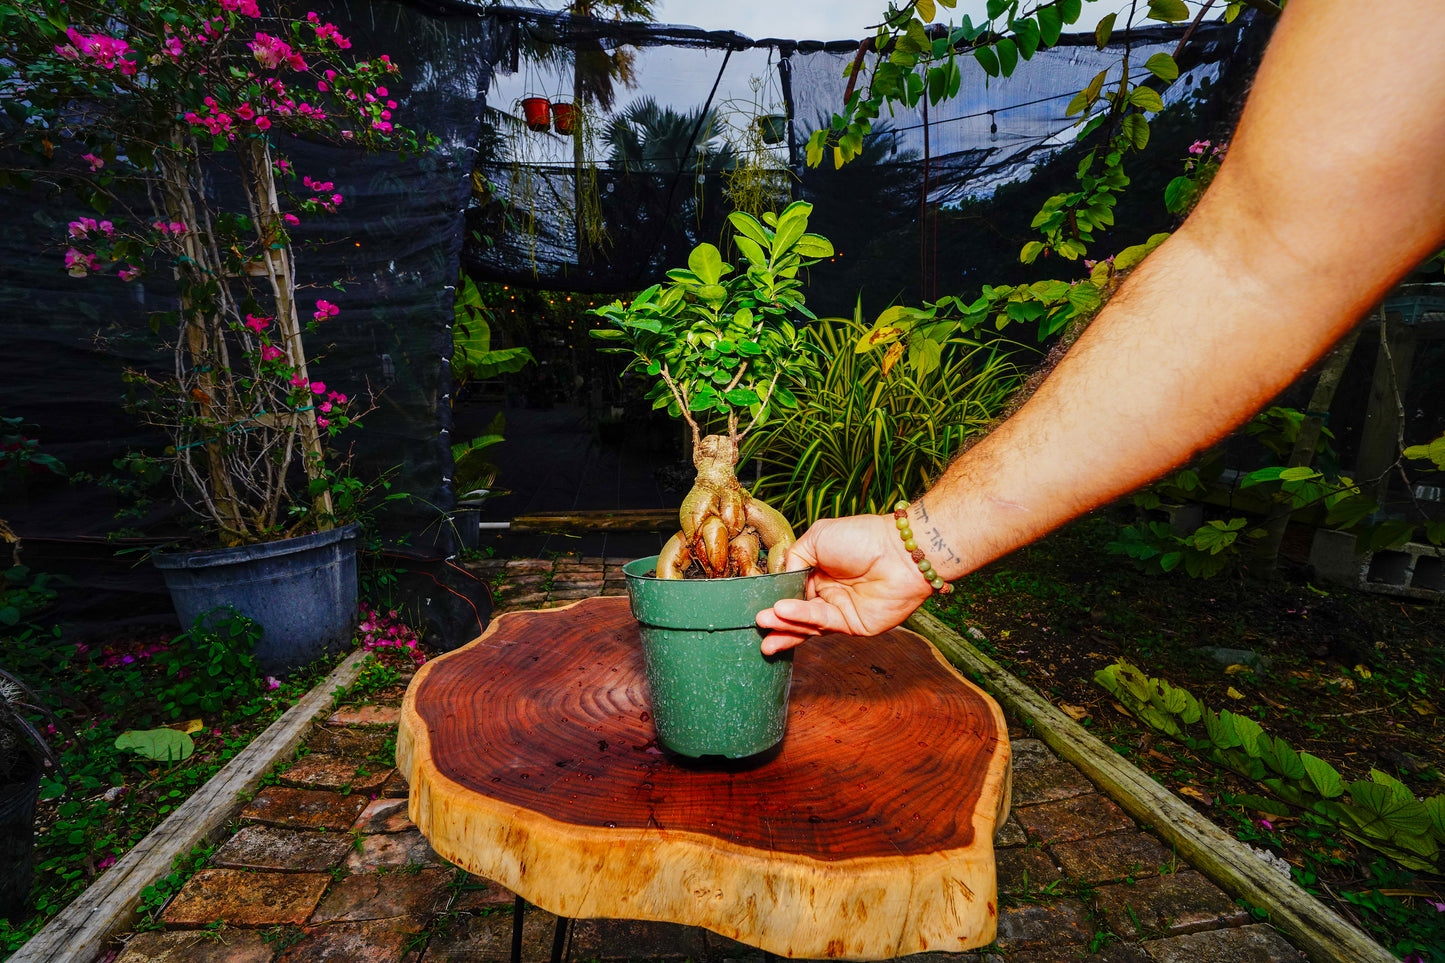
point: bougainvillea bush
(156, 128)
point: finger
(815, 614)
(776, 642)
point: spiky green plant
(871, 430)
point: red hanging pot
(537, 113)
(564, 117)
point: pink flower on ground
(271, 352)
(106, 863)
(257, 324)
(96, 163)
(271, 683)
(1263, 823)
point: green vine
(1380, 812)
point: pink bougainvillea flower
(270, 51)
(246, 7)
(78, 265)
(291, 219)
(1437, 905)
(106, 863)
(1263, 823)
(336, 199)
(324, 407)
(263, 123)
(257, 324)
(272, 683)
(106, 228)
(82, 227)
(323, 423)
(96, 163)
(317, 388)
(245, 112)
(271, 352)
(325, 309)
(298, 381)
(173, 46)
(129, 273)
(67, 51)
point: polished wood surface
(866, 834)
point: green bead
(937, 584)
(906, 534)
(926, 567)
(900, 506)
(902, 523)
(910, 544)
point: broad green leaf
(1299, 473)
(751, 250)
(1146, 99)
(1170, 11)
(1246, 729)
(1136, 128)
(813, 246)
(1322, 776)
(1070, 10)
(161, 745)
(924, 355)
(1050, 25)
(1435, 809)
(1008, 56)
(1026, 32)
(749, 226)
(1389, 808)
(1104, 30)
(706, 262)
(1163, 66)
(996, 8)
(926, 10)
(1085, 297)
(1031, 251)
(1281, 757)
(987, 59)
(1435, 451)
(742, 397)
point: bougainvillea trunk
(724, 528)
(277, 269)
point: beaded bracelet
(900, 518)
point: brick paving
(327, 866)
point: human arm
(1332, 190)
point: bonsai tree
(721, 343)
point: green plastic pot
(713, 692)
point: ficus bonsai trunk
(724, 528)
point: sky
(822, 19)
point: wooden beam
(1323, 935)
(78, 934)
(622, 520)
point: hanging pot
(774, 128)
(713, 692)
(536, 111)
(301, 591)
(564, 117)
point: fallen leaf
(1122, 710)
(1236, 669)
(1234, 693)
(188, 726)
(1363, 672)
(1425, 707)
(1077, 713)
(1194, 792)
(1156, 754)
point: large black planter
(17, 843)
(301, 591)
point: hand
(863, 582)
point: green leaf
(987, 59)
(1170, 11)
(1104, 30)
(1136, 128)
(1281, 757)
(750, 227)
(1026, 32)
(162, 745)
(1070, 10)
(813, 246)
(706, 262)
(1050, 25)
(1163, 66)
(1031, 251)
(1008, 56)
(1322, 776)
(751, 250)
(742, 397)
(1146, 99)
(996, 8)
(1388, 809)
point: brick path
(326, 866)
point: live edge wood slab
(868, 834)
